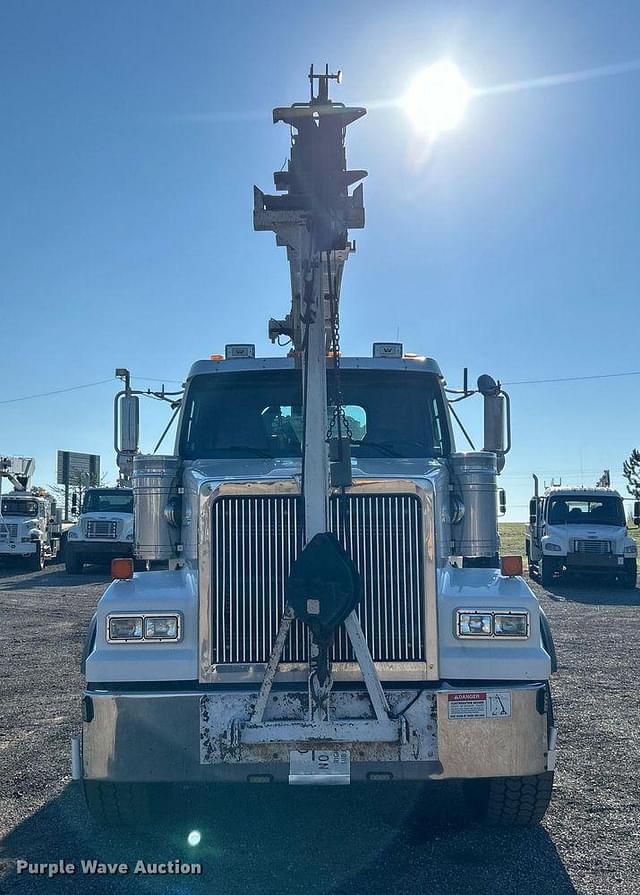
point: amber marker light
(121, 568)
(511, 565)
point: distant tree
(631, 471)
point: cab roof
(580, 491)
(237, 365)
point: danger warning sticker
(479, 705)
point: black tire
(72, 563)
(547, 568)
(35, 563)
(119, 804)
(630, 575)
(509, 801)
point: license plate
(320, 767)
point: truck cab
(29, 528)
(457, 686)
(103, 531)
(580, 530)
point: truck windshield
(119, 500)
(14, 507)
(567, 510)
(259, 414)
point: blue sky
(133, 132)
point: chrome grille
(256, 539)
(11, 529)
(593, 547)
(99, 529)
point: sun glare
(437, 99)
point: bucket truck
(30, 528)
(334, 609)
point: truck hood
(249, 470)
(566, 534)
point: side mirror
(636, 512)
(502, 501)
(127, 423)
(533, 511)
(497, 436)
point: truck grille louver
(100, 529)
(11, 528)
(594, 547)
(254, 542)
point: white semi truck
(103, 531)
(30, 528)
(580, 530)
(334, 608)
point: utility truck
(30, 524)
(104, 529)
(580, 530)
(334, 610)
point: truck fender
(89, 642)
(547, 639)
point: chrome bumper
(185, 737)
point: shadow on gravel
(56, 577)
(290, 841)
(578, 590)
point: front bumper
(187, 736)
(99, 551)
(18, 548)
(585, 562)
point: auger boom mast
(314, 212)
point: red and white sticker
(479, 705)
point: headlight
(129, 536)
(161, 627)
(498, 623)
(145, 628)
(72, 534)
(511, 624)
(124, 627)
(553, 548)
(474, 624)
(631, 549)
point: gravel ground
(343, 841)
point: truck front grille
(256, 539)
(98, 529)
(11, 529)
(593, 547)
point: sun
(437, 99)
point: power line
(572, 378)
(58, 391)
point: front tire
(72, 563)
(36, 561)
(509, 801)
(119, 804)
(547, 568)
(629, 578)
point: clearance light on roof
(233, 352)
(387, 349)
(216, 357)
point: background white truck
(30, 528)
(580, 530)
(104, 530)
